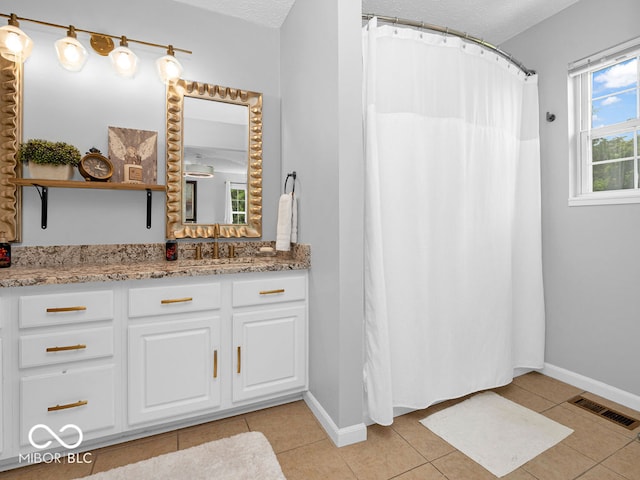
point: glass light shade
(71, 54)
(198, 170)
(124, 61)
(15, 45)
(169, 68)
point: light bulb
(169, 68)
(71, 54)
(124, 60)
(13, 42)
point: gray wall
(322, 142)
(590, 260)
(78, 107)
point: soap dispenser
(171, 248)
(5, 251)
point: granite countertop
(106, 263)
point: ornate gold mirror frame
(10, 138)
(175, 147)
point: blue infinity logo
(55, 436)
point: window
(606, 127)
(238, 203)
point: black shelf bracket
(43, 192)
(148, 208)
(44, 203)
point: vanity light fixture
(169, 68)
(71, 54)
(198, 170)
(124, 61)
(15, 45)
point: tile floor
(597, 450)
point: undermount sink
(209, 262)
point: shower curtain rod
(449, 31)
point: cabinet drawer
(72, 346)
(83, 397)
(173, 299)
(269, 290)
(58, 309)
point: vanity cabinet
(137, 357)
(173, 354)
(201, 348)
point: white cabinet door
(270, 352)
(173, 368)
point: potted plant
(50, 160)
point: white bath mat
(495, 432)
(246, 456)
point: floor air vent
(611, 415)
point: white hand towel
(294, 219)
(283, 231)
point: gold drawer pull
(271, 292)
(68, 405)
(239, 356)
(176, 300)
(66, 309)
(215, 364)
(80, 346)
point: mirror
(10, 138)
(214, 161)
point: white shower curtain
(453, 276)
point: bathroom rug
(247, 456)
(495, 432)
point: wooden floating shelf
(43, 185)
(41, 182)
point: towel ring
(292, 174)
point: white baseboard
(340, 436)
(594, 386)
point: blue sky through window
(615, 94)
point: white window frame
(239, 186)
(581, 133)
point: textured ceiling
(270, 13)
(492, 20)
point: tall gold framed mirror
(10, 137)
(214, 161)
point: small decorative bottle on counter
(5, 251)
(171, 248)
